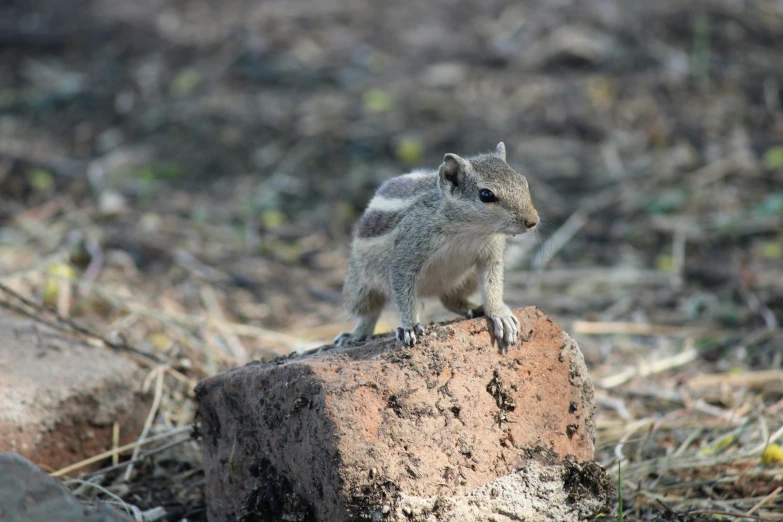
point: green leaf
(665, 263)
(620, 491)
(705, 343)
(729, 314)
(164, 171)
(409, 150)
(273, 218)
(377, 100)
(185, 82)
(719, 445)
(667, 201)
(41, 180)
(773, 158)
(700, 57)
(771, 249)
(771, 206)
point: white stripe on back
(389, 205)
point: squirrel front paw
(408, 336)
(506, 327)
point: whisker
(545, 246)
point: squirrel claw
(342, 339)
(506, 328)
(347, 338)
(409, 336)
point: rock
(448, 74)
(27, 494)
(112, 203)
(60, 397)
(571, 46)
(449, 430)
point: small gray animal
(442, 234)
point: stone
(452, 429)
(27, 494)
(59, 397)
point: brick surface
(357, 432)
(59, 397)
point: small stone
(110, 139)
(445, 75)
(112, 203)
(30, 495)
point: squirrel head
(490, 196)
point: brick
(60, 397)
(451, 429)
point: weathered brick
(378, 431)
(60, 397)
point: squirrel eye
(487, 196)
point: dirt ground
(182, 176)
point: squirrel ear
(501, 151)
(451, 169)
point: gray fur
(444, 241)
(374, 223)
(402, 187)
(500, 151)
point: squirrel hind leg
(456, 300)
(367, 306)
(462, 306)
(362, 331)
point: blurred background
(183, 175)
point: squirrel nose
(530, 224)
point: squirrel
(438, 233)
